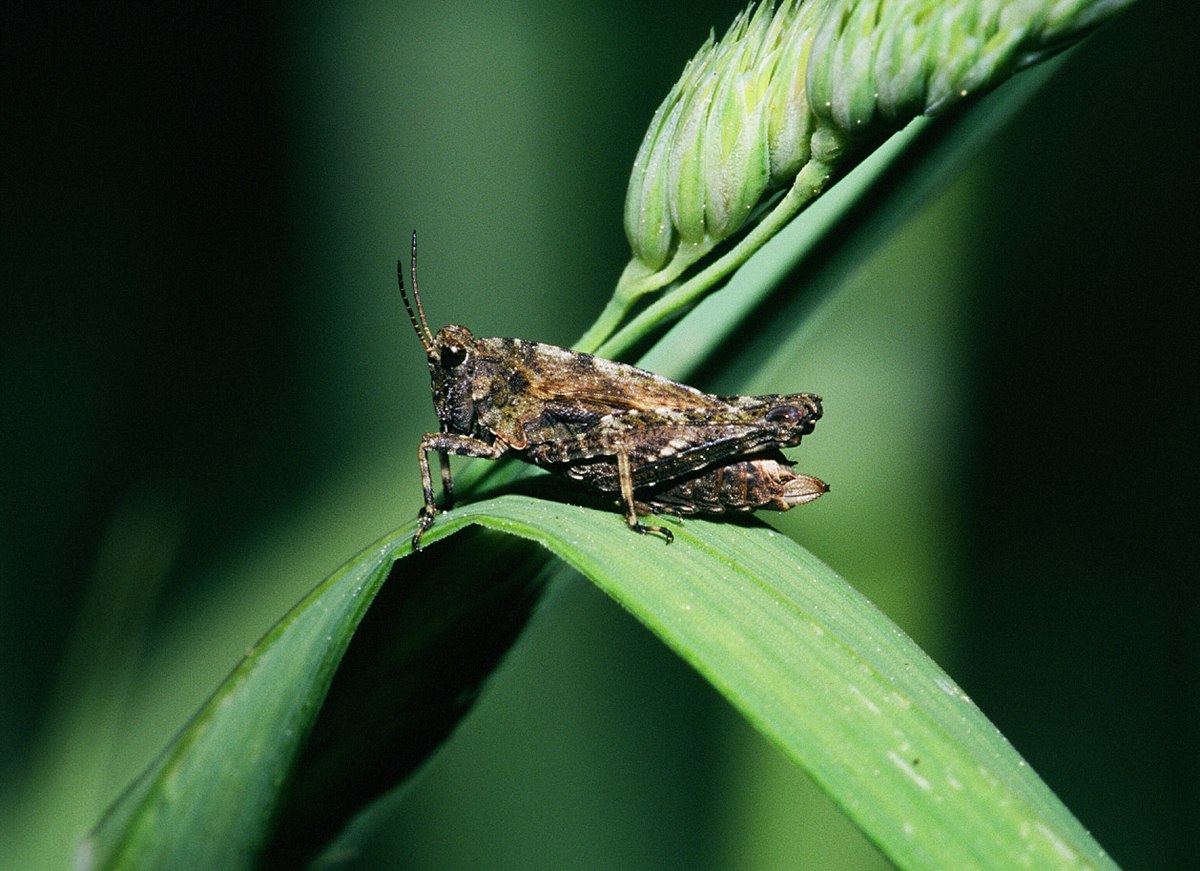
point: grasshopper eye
(453, 356)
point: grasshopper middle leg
(625, 477)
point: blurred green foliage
(212, 398)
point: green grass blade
(206, 801)
(827, 677)
(808, 660)
(224, 795)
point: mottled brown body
(660, 445)
(740, 486)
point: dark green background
(211, 398)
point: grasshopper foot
(646, 529)
(424, 521)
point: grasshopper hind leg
(631, 517)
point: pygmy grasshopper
(661, 445)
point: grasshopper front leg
(446, 443)
(625, 478)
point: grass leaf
(817, 668)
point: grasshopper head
(451, 369)
(451, 356)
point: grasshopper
(660, 445)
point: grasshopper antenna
(426, 337)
